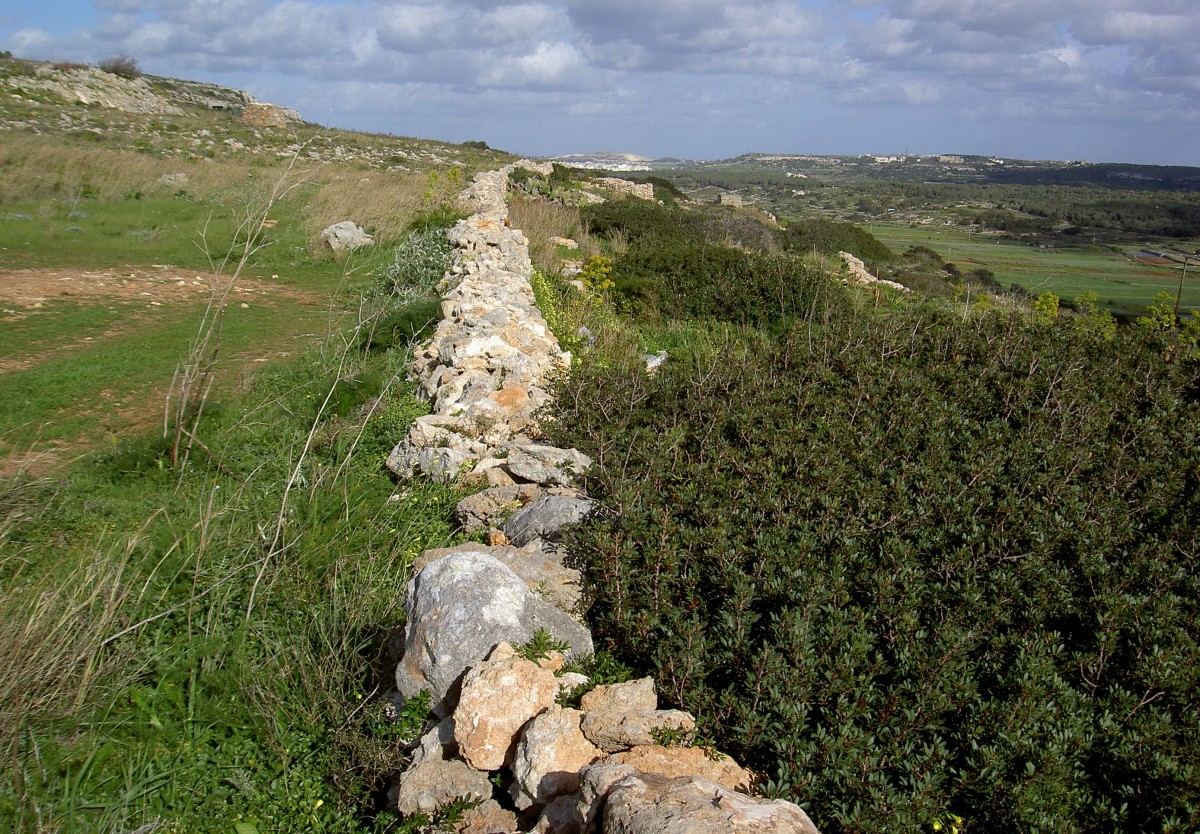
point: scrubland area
(923, 560)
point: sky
(1097, 80)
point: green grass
(200, 235)
(205, 647)
(57, 324)
(102, 387)
(1069, 271)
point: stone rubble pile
(502, 736)
(859, 275)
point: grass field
(1068, 271)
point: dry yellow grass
(382, 202)
(36, 168)
(541, 220)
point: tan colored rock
(631, 696)
(487, 818)
(498, 698)
(491, 506)
(617, 731)
(686, 761)
(434, 783)
(549, 756)
(653, 804)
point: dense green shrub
(909, 566)
(677, 266)
(122, 65)
(829, 237)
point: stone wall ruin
(596, 768)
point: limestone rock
(613, 732)
(545, 517)
(487, 818)
(595, 782)
(568, 682)
(485, 509)
(345, 236)
(694, 805)
(632, 696)
(438, 744)
(549, 756)
(434, 783)
(539, 565)
(498, 698)
(459, 607)
(685, 761)
(561, 816)
(547, 465)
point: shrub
(122, 65)
(829, 237)
(913, 568)
(421, 260)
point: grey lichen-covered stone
(545, 517)
(459, 607)
(539, 565)
(614, 732)
(434, 783)
(652, 804)
(560, 817)
(547, 465)
(595, 782)
(345, 236)
(488, 507)
(437, 745)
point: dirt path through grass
(86, 355)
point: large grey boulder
(544, 518)
(539, 564)
(461, 606)
(345, 236)
(652, 804)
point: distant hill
(962, 168)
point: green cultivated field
(1067, 271)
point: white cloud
(680, 63)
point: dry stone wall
(598, 768)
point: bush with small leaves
(122, 65)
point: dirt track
(31, 288)
(23, 292)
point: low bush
(830, 237)
(911, 567)
(121, 65)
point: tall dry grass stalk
(41, 167)
(542, 219)
(54, 632)
(382, 202)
